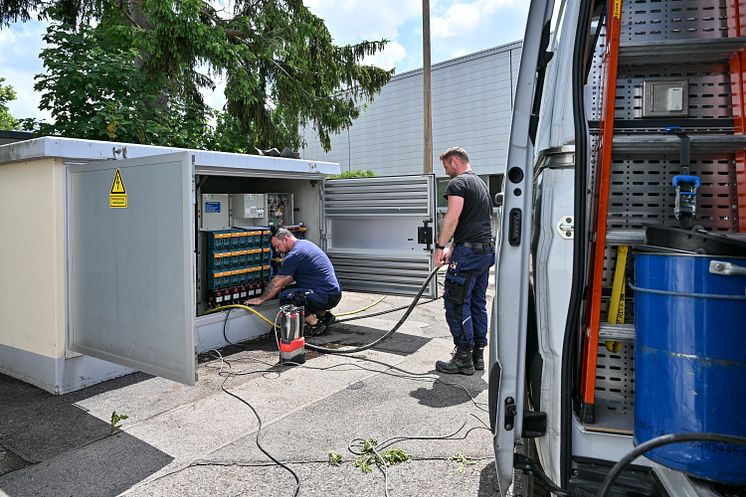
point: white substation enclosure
(102, 260)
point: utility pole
(427, 90)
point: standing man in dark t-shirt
(316, 286)
(469, 259)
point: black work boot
(460, 363)
(478, 358)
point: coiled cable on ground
(326, 350)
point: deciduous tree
(7, 94)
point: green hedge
(355, 173)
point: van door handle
(727, 268)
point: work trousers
(312, 300)
(465, 296)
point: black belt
(477, 246)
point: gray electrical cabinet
(124, 240)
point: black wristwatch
(441, 247)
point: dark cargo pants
(465, 298)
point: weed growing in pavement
(335, 458)
(115, 420)
(463, 461)
(370, 457)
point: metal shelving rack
(635, 161)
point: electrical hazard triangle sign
(118, 193)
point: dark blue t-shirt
(310, 268)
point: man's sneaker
(329, 319)
(314, 331)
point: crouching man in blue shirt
(308, 279)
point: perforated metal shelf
(650, 145)
(723, 125)
(682, 39)
(615, 390)
(702, 50)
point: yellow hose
(363, 309)
(246, 307)
(240, 306)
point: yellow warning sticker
(118, 193)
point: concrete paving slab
(144, 400)
(10, 461)
(421, 478)
(106, 467)
(37, 425)
(391, 402)
(191, 429)
(307, 412)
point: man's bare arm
(274, 287)
(450, 220)
(447, 228)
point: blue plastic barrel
(690, 361)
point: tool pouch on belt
(456, 287)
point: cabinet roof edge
(84, 150)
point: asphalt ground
(201, 441)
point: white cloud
(19, 63)
(355, 20)
(467, 26)
(459, 18)
(26, 103)
(389, 57)
(462, 18)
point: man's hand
(273, 288)
(446, 255)
(441, 256)
(438, 257)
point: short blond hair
(455, 152)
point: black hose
(659, 442)
(579, 245)
(325, 350)
(258, 439)
(387, 311)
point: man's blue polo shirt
(310, 268)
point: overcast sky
(457, 28)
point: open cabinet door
(510, 305)
(130, 253)
(379, 233)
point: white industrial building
(472, 98)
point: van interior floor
(612, 417)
